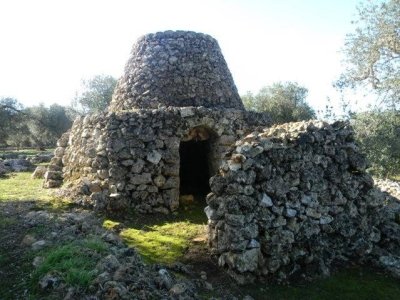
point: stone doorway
(194, 167)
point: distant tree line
(36, 126)
(40, 126)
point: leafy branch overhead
(373, 51)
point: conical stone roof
(176, 68)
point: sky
(48, 46)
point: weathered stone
(49, 281)
(38, 245)
(53, 175)
(159, 181)
(17, 165)
(108, 263)
(178, 289)
(154, 157)
(127, 163)
(39, 172)
(325, 220)
(210, 213)
(392, 264)
(50, 183)
(28, 240)
(141, 179)
(186, 112)
(242, 262)
(290, 213)
(137, 167)
(266, 201)
(313, 213)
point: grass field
(20, 186)
(166, 239)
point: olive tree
(378, 134)
(372, 51)
(95, 95)
(284, 101)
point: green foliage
(373, 51)
(11, 119)
(378, 134)
(96, 94)
(46, 125)
(284, 101)
(37, 126)
(74, 262)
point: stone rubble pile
(176, 68)
(15, 165)
(54, 174)
(3, 168)
(294, 201)
(40, 158)
(120, 272)
(14, 162)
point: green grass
(165, 239)
(162, 243)
(5, 222)
(109, 224)
(356, 283)
(162, 238)
(3, 259)
(74, 263)
(20, 186)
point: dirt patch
(15, 258)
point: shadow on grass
(193, 213)
(15, 258)
(162, 238)
(354, 283)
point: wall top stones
(176, 68)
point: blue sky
(48, 46)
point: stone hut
(286, 201)
(173, 114)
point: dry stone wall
(131, 159)
(292, 201)
(176, 68)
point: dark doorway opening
(194, 167)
